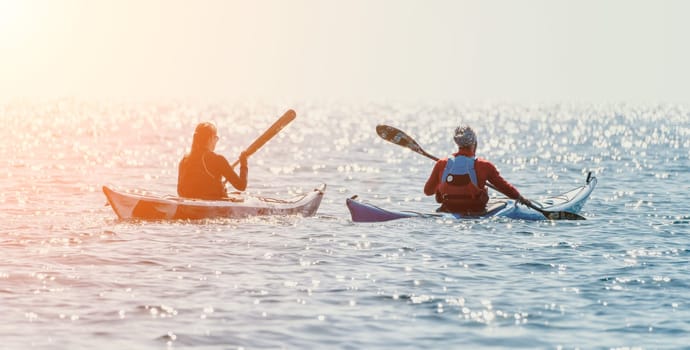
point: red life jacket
(459, 190)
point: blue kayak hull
(571, 201)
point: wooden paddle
(400, 138)
(269, 133)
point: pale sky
(370, 50)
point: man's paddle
(400, 138)
(269, 133)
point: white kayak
(132, 205)
(568, 202)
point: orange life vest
(459, 189)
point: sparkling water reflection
(75, 277)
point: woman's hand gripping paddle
(400, 138)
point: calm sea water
(74, 277)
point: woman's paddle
(269, 133)
(400, 138)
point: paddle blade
(279, 124)
(400, 138)
(556, 215)
(562, 215)
(397, 137)
(271, 131)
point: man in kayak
(459, 181)
(201, 171)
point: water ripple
(75, 277)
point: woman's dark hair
(202, 134)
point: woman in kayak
(201, 171)
(459, 181)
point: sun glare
(12, 15)
(9, 11)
